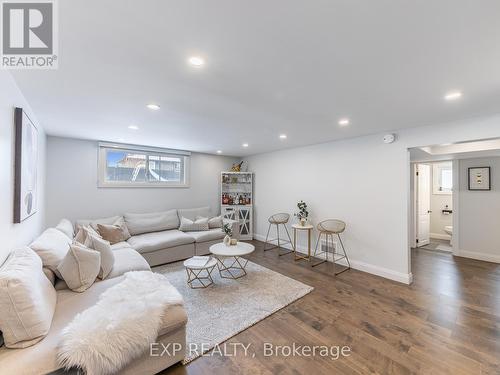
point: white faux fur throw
(120, 326)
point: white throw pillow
(27, 299)
(66, 227)
(107, 256)
(80, 267)
(214, 222)
(193, 226)
(52, 246)
(85, 231)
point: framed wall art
(480, 178)
(26, 167)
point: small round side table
(298, 227)
(200, 277)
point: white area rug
(228, 307)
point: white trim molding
(479, 256)
(358, 265)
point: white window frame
(103, 147)
(437, 169)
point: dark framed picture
(480, 178)
(26, 167)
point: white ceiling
(281, 66)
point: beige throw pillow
(80, 267)
(107, 256)
(84, 232)
(193, 226)
(27, 299)
(114, 233)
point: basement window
(137, 166)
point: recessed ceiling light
(219, 151)
(121, 140)
(245, 144)
(344, 122)
(153, 107)
(133, 127)
(453, 95)
(196, 61)
(282, 136)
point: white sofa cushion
(80, 267)
(148, 242)
(120, 245)
(127, 259)
(52, 246)
(192, 213)
(207, 235)
(107, 255)
(196, 225)
(66, 227)
(151, 222)
(27, 299)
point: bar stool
(278, 219)
(329, 228)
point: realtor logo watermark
(29, 34)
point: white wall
(15, 235)
(72, 190)
(360, 180)
(438, 219)
(480, 213)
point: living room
(234, 187)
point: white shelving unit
(237, 200)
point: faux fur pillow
(193, 226)
(114, 233)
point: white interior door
(423, 204)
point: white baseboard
(440, 236)
(479, 256)
(358, 265)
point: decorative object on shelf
(237, 167)
(236, 200)
(303, 214)
(479, 178)
(26, 167)
(227, 228)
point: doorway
(434, 206)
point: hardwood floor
(446, 322)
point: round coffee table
(200, 274)
(229, 261)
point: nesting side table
(300, 228)
(200, 276)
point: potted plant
(303, 214)
(227, 228)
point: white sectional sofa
(155, 239)
(156, 236)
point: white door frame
(420, 241)
(412, 220)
